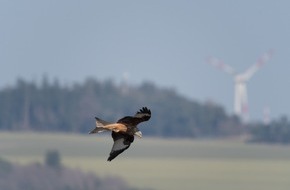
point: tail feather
(100, 126)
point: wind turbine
(241, 107)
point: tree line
(52, 175)
(52, 107)
(49, 106)
(278, 131)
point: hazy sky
(162, 41)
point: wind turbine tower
(241, 107)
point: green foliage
(5, 167)
(277, 131)
(52, 159)
(51, 107)
(38, 176)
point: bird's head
(137, 133)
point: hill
(161, 164)
(52, 107)
(53, 175)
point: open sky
(162, 41)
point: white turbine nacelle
(241, 107)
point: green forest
(49, 106)
(53, 175)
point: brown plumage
(123, 130)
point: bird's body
(123, 130)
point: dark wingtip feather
(144, 110)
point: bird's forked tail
(100, 126)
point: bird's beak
(138, 134)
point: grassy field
(162, 164)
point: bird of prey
(123, 130)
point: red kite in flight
(123, 130)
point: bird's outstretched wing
(122, 142)
(143, 114)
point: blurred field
(162, 163)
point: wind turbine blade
(259, 63)
(221, 65)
